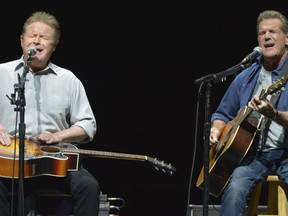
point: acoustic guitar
(57, 160)
(234, 143)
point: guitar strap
(273, 100)
(283, 73)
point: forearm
(72, 134)
(280, 117)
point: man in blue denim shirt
(271, 147)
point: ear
(21, 40)
(286, 40)
(54, 47)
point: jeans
(252, 170)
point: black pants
(83, 187)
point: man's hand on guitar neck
(263, 107)
(215, 131)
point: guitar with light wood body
(57, 160)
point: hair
(272, 14)
(47, 18)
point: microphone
(252, 56)
(32, 50)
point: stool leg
(282, 201)
(272, 199)
(253, 203)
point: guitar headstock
(160, 165)
(275, 86)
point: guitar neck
(104, 154)
(159, 165)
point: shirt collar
(259, 60)
(45, 71)
(279, 68)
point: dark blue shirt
(241, 90)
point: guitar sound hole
(50, 149)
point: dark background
(138, 62)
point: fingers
(214, 134)
(254, 102)
(47, 138)
(5, 139)
(213, 142)
(258, 104)
(262, 105)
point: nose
(267, 34)
(36, 39)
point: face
(271, 38)
(42, 36)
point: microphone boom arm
(222, 75)
(246, 62)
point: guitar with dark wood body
(234, 143)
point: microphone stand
(221, 76)
(20, 106)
